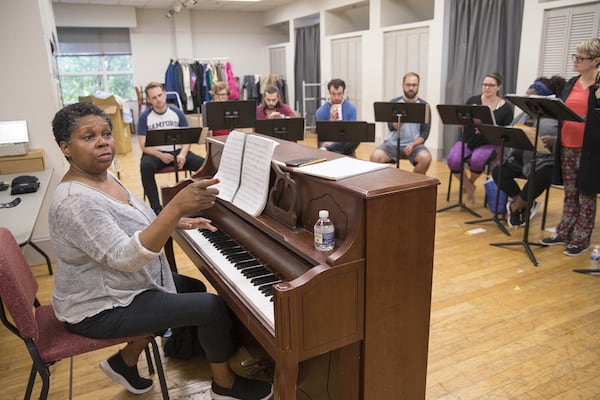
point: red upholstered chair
(47, 339)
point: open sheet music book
(244, 171)
(341, 168)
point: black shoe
(118, 371)
(552, 240)
(515, 218)
(243, 389)
(574, 251)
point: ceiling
(220, 5)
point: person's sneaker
(535, 206)
(575, 251)
(243, 389)
(118, 371)
(552, 240)
(515, 219)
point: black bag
(24, 184)
(183, 343)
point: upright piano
(352, 323)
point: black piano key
(239, 257)
(267, 289)
(255, 272)
(233, 250)
(263, 280)
(247, 264)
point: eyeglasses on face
(579, 59)
(221, 94)
(489, 84)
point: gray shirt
(101, 263)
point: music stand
(229, 114)
(291, 129)
(345, 131)
(174, 136)
(504, 137)
(462, 114)
(400, 113)
(537, 107)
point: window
(91, 60)
(564, 29)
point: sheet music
(341, 168)
(244, 171)
(230, 166)
(254, 181)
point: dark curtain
(484, 36)
(307, 67)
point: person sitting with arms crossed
(337, 109)
(112, 280)
(412, 136)
(272, 107)
(154, 158)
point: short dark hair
(336, 83)
(65, 120)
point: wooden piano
(349, 324)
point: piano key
(261, 302)
(261, 280)
(256, 271)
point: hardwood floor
(500, 327)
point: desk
(21, 219)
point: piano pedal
(250, 362)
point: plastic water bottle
(595, 258)
(324, 232)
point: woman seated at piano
(112, 280)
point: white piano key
(261, 302)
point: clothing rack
(202, 60)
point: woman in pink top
(578, 156)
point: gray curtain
(484, 36)
(307, 67)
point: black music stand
(345, 131)
(229, 114)
(174, 136)
(462, 114)
(537, 107)
(291, 129)
(400, 113)
(504, 137)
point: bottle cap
(323, 214)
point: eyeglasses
(488, 84)
(220, 94)
(578, 59)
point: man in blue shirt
(337, 109)
(412, 136)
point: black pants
(156, 311)
(542, 179)
(150, 165)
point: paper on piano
(341, 168)
(244, 171)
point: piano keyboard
(249, 275)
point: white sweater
(101, 263)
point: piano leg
(286, 377)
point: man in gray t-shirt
(412, 136)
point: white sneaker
(535, 206)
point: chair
(47, 339)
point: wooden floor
(500, 327)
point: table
(20, 220)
